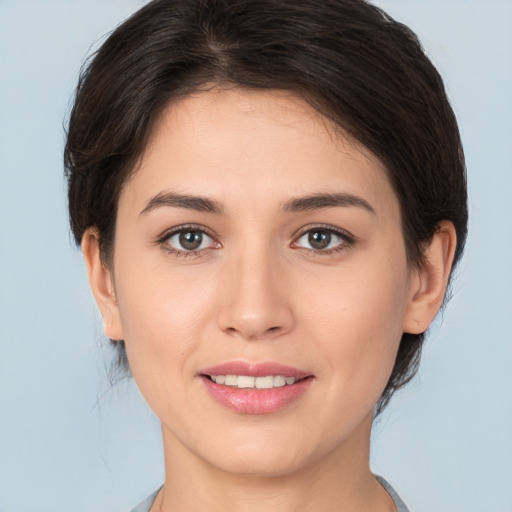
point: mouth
(251, 382)
(255, 388)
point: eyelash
(163, 240)
(346, 240)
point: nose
(256, 304)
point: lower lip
(257, 401)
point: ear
(102, 284)
(428, 283)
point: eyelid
(168, 233)
(324, 227)
(347, 238)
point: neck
(339, 480)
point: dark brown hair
(347, 58)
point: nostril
(254, 321)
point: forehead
(253, 146)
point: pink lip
(254, 369)
(256, 401)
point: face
(260, 280)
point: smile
(250, 382)
(255, 388)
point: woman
(270, 198)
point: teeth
(245, 382)
(279, 381)
(231, 380)
(248, 382)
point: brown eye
(319, 239)
(189, 240)
(322, 240)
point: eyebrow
(300, 204)
(172, 199)
(318, 201)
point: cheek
(357, 319)
(161, 315)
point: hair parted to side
(347, 58)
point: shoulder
(400, 505)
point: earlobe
(428, 283)
(102, 284)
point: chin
(258, 466)
(274, 454)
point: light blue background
(68, 443)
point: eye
(189, 240)
(322, 239)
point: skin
(258, 291)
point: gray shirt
(400, 505)
(145, 506)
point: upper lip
(254, 369)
